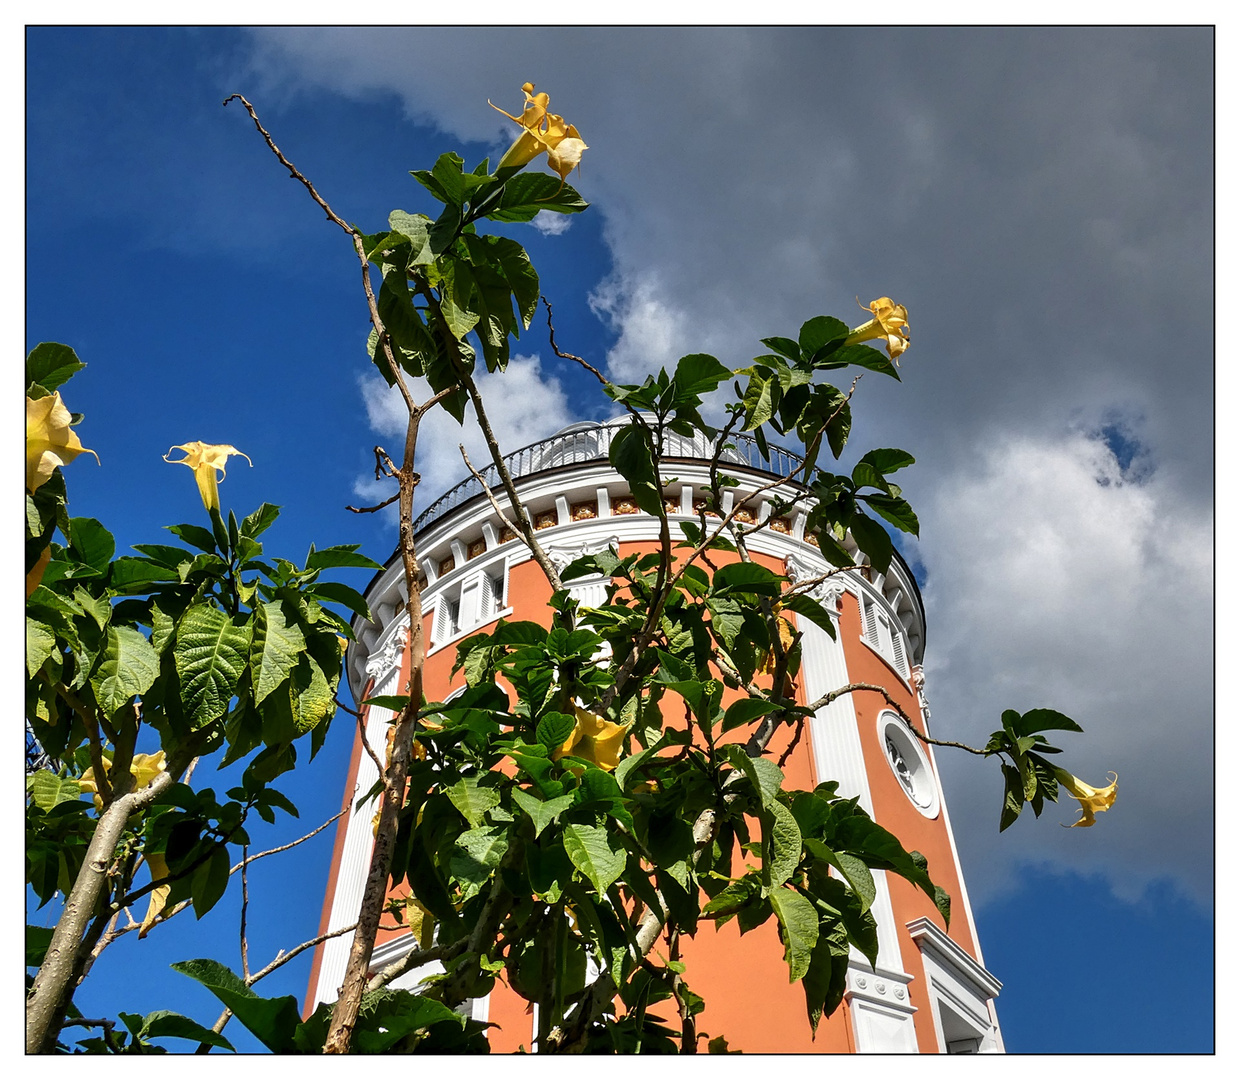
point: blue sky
(1041, 201)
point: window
(492, 594)
(960, 991)
(450, 610)
(472, 601)
(883, 634)
(908, 763)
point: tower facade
(929, 991)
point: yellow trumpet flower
(50, 440)
(144, 767)
(594, 739)
(1093, 800)
(206, 459)
(542, 130)
(890, 322)
(159, 895)
(766, 660)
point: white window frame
(961, 993)
(883, 634)
(919, 783)
(471, 590)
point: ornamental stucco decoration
(381, 662)
(828, 592)
(563, 555)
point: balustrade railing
(574, 447)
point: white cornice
(584, 482)
(930, 938)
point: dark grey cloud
(1041, 200)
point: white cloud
(1041, 201)
(1054, 582)
(652, 333)
(552, 224)
(522, 405)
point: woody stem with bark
(49, 993)
(521, 520)
(344, 1016)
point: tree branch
(567, 355)
(826, 699)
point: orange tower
(929, 991)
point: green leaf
(861, 356)
(943, 901)
(446, 179)
(40, 644)
(888, 460)
(820, 332)
(747, 577)
(632, 456)
(209, 881)
(47, 790)
(341, 594)
(596, 853)
(38, 938)
(542, 813)
(472, 800)
(746, 711)
(456, 300)
(50, 365)
(798, 923)
(395, 702)
(136, 576)
(476, 854)
(759, 401)
(853, 870)
(510, 260)
(786, 347)
(387, 1016)
(527, 193)
(314, 696)
(554, 729)
(1044, 720)
(194, 534)
(163, 1024)
(414, 228)
(211, 654)
(259, 521)
(1013, 796)
(271, 1020)
(92, 543)
(340, 555)
(728, 901)
(274, 650)
(699, 373)
(127, 667)
(872, 539)
(785, 842)
(895, 510)
(812, 610)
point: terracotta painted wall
(744, 978)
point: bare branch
(370, 752)
(486, 489)
(566, 355)
(245, 903)
(284, 958)
(851, 688)
(385, 339)
(373, 509)
(414, 959)
(292, 844)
